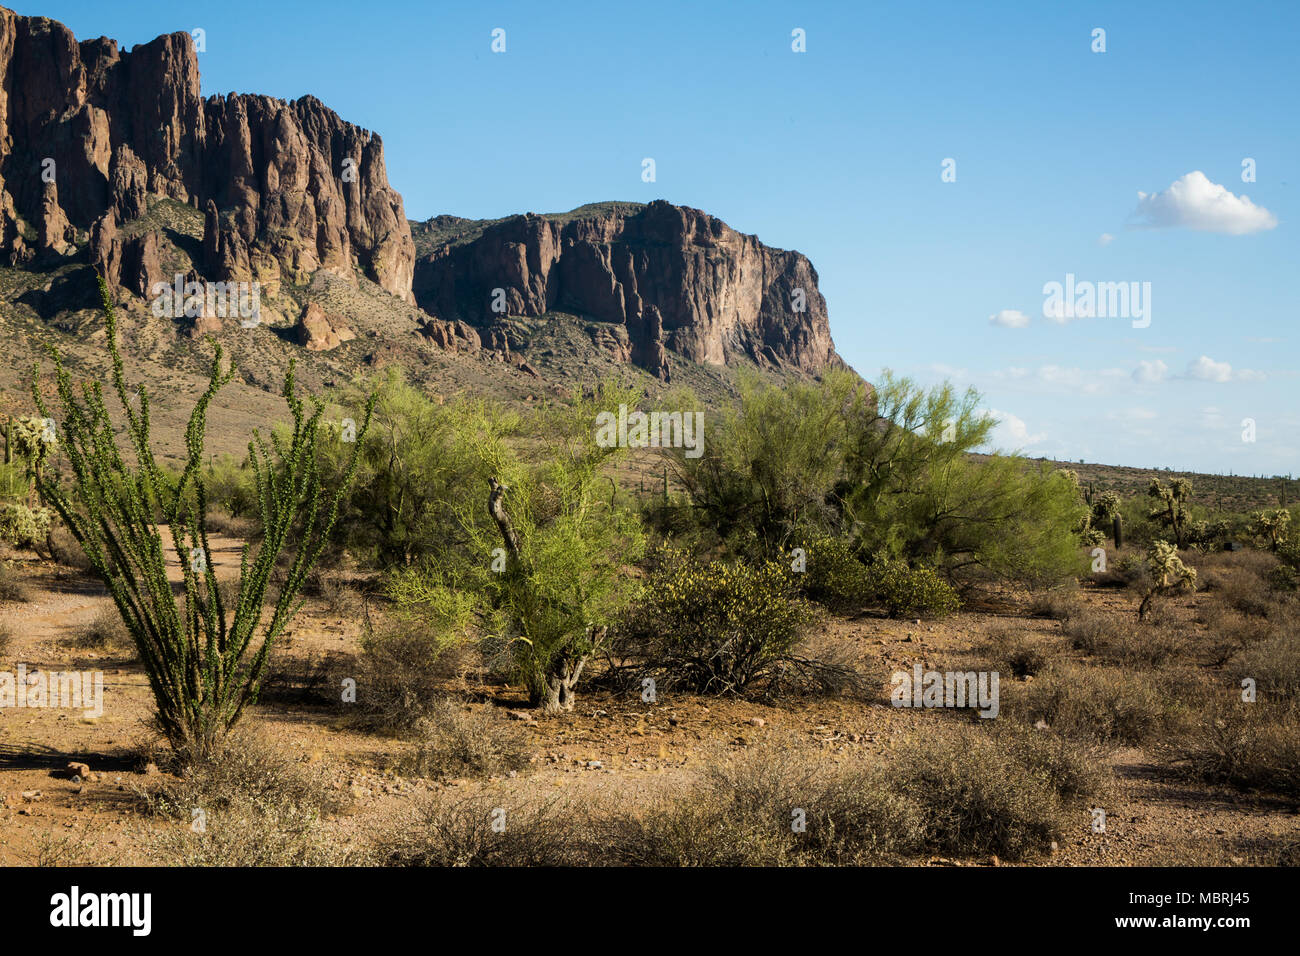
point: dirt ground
(611, 748)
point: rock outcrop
(88, 131)
(676, 278)
(319, 332)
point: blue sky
(838, 152)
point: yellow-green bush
(718, 626)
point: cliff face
(91, 137)
(287, 188)
(678, 279)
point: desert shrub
(335, 591)
(836, 578)
(1017, 653)
(1227, 631)
(1250, 746)
(772, 463)
(456, 742)
(771, 806)
(1284, 578)
(204, 659)
(1121, 640)
(6, 639)
(1089, 631)
(232, 489)
(260, 809)
(12, 587)
(833, 575)
(544, 555)
(402, 674)
(1289, 553)
(1247, 593)
(460, 831)
(992, 792)
(1057, 604)
(66, 551)
(1105, 705)
(1274, 665)
(105, 632)
(949, 788)
(717, 626)
(911, 591)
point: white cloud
(1012, 432)
(1193, 202)
(1009, 319)
(1105, 239)
(1206, 369)
(1148, 373)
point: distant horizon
(939, 164)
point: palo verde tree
(544, 544)
(204, 660)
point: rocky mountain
(676, 279)
(111, 160)
(90, 134)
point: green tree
(542, 542)
(415, 461)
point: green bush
(911, 592)
(889, 470)
(419, 467)
(718, 626)
(833, 575)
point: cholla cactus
(1175, 499)
(24, 527)
(1272, 525)
(1168, 574)
(34, 438)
